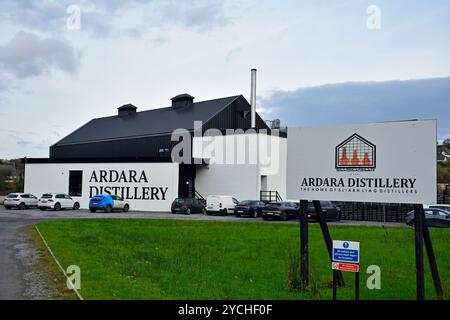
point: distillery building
(223, 147)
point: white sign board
(345, 251)
(146, 186)
(391, 162)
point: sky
(319, 62)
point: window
(59, 196)
(75, 183)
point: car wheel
(8, 208)
(22, 206)
(92, 210)
(173, 211)
(188, 211)
(126, 208)
(108, 209)
(238, 215)
(224, 212)
(208, 213)
(76, 206)
(265, 217)
(57, 206)
(43, 209)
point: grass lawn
(174, 259)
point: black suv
(328, 208)
(188, 206)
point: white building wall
(277, 172)
(243, 160)
(161, 177)
(240, 181)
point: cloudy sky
(319, 62)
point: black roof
(148, 123)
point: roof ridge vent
(127, 110)
(182, 101)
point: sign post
(345, 257)
(304, 250)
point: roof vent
(182, 101)
(127, 110)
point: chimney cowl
(126, 110)
(182, 100)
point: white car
(220, 204)
(445, 207)
(57, 201)
(20, 201)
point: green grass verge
(174, 259)
(48, 265)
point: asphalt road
(19, 277)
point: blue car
(108, 203)
(252, 208)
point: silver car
(20, 201)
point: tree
(446, 142)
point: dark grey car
(435, 218)
(330, 210)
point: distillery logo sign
(128, 184)
(362, 159)
(355, 154)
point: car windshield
(47, 196)
(326, 204)
(97, 199)
(245, 203)
(275, 204)
(10, 196)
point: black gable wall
(236, 116)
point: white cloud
(27, 55)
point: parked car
(280, 210)
(445, 207)
(20, 201)
(108, 203)
(331, 211)
(435, 218)
(188, 206)
(57, 201)
(251, 208)
(220, 204)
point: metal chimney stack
(253, 98)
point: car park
(251, 208)
(57, 201)
(187, 206)
(329, 209)
(108, 203)
(20, 201)
(434, 217)
(280, 210)
(220, 204)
